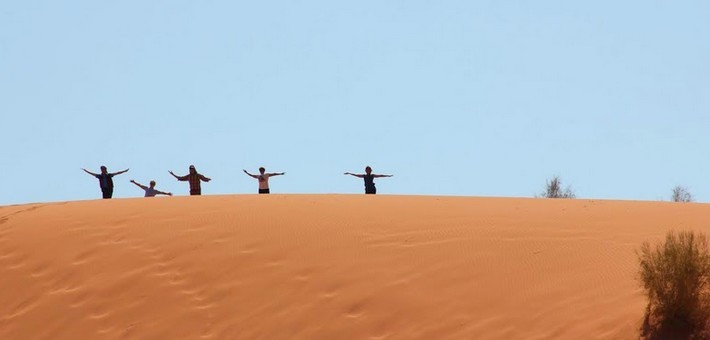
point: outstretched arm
(277, 174)
(120, 172)
(179, 178)
(378, 176)
(204, 178)
(247, 172)
(89, 172)
(164, 193)
(356, 175)
(139, 185)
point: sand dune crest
(328, 267)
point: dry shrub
(681, 194)
(675, 276)
(553, 189)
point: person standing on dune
(151, 191)
(105, 180)
(194, 178)
(369, 178)
(263, 179)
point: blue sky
(474, 98)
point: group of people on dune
(195, 179)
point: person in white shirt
(151, 191)
(263, 179)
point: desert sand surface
(329, 267)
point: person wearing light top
(151, 191)
(369, 178)
(263, 179)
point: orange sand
(328, 267)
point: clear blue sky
(475, 98)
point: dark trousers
(107, 193)
(195, 192)
(264, 191)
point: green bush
(674, 275)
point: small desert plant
(675, 277)
(553, 189)
(681, 194)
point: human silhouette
(151, 191)
(105, 180)
(263, 179)
(369, 178)
(194, 178)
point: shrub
(553, 189)
(674, 276)
(681, 194)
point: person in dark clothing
(105, 180)
(369, 178)
(194, 178)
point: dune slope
(328, 267)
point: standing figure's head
(152, 184)
(262, 170)
(192, 169)
(103, 169)
(368, 170)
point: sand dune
(328, 267)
